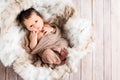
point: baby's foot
(63, 54)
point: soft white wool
(77, 30)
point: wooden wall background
(104, 63)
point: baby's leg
(50, 57)
(60, 45)
(61, 48)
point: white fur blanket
(60, 12)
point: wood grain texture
(2, 72)
(19, 78)
(107, 41)
(10, 74)
(86, 12)
(115, 32)
(98, 55)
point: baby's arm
(33, 39)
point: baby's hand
(33, 39)
(33, 35)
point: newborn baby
(43, 39)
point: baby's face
(34, 22)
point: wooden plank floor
(104, 63)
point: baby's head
(31, 19)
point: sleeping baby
(42, 38)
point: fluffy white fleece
(78, 31)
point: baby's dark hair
(25, 14)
